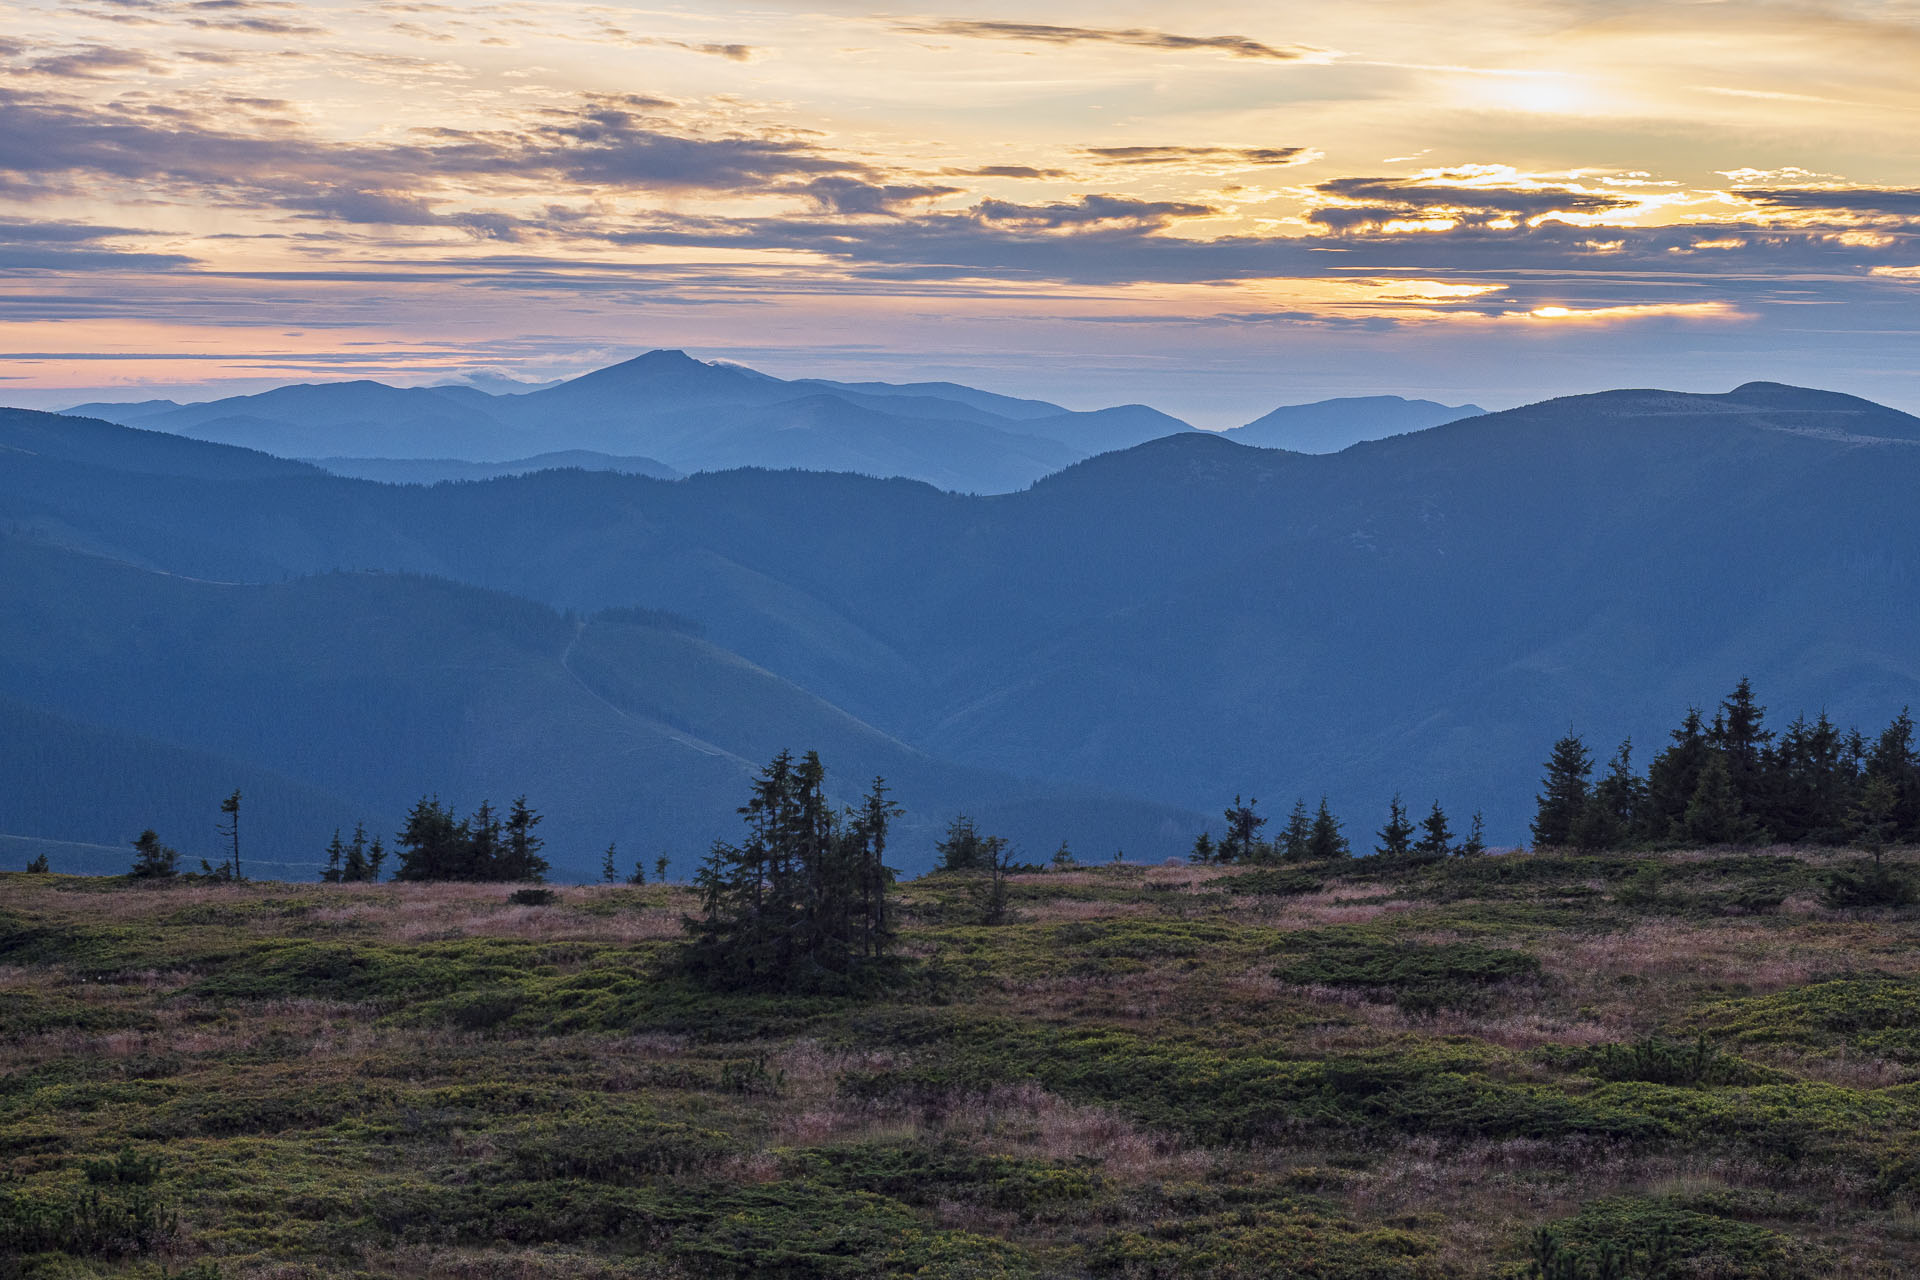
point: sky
(1211, 207)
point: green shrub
(1415, 975)
(611, 1147)
(1876, 1014)
(1660, 1239)
(1866, 884)
(532, 897)
(1277, 881)
(1690, 1064)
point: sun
(1535, 92)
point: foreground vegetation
(1674, 1065)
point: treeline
(1320, 837)
(437, 844)
(1731, 780)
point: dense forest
(1732, 781)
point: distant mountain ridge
(436, 470)
(1328, 426)
(686, 415)
(1163, 625)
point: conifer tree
(1436, 837)
(1063, 858)
(1203, 850)
(659, 868)
(800, 903)
(1873, 822)
(866, 854)
(153, 860)
(520, 858)
(230, 829)
(639, 874)
(358, 866)
(609, 873)
(1327, 841)
(1738, 735)
(480, 846)
(376, 859)
(336, 859)
(1475, 843)
(1241, 843)
(38, 865)
(1563, 793)
(1672, 779)
(433, 845)
(965, 849)
(1297, 838)
(1713, 815)
(1611, 814)
(1893, 760)
(1396, 838)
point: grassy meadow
(1672, 1066)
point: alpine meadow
(1089, 642)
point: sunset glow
(1135, 202)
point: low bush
(1689, 1064)
(1414, 975)
(1867, 884)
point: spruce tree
(1203, 851)
(1436, 837)
(1396, 838)
(433, 845)
(376, 859)
(1475, 843)
(336, 859)
(1713, 815)
(358, 867)
(38, 865)
(1327, 841)
(866, 846)
(1893, 760)
(609, 873)
(1874, 821)
(153, 860)
(1063, 858)
(1611, 815)
(965, 849)
(480, 846)
(1297, 838)
(639, 875)
(230, 829)
(520, 858)
(1672, 779)
(1241, 843)
(1738, 734)
(1563, 793)
(800, 903)
(659, 868)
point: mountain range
(1099, 657)
(665, 413)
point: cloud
(1901, 203)
(1376, 204)
(623, 142)
(1262, 156)
(1142, 37)
(731, 52)
(1026, 171)
(842, 195)
(35, 246)
(94, 62)
(1095, 210)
